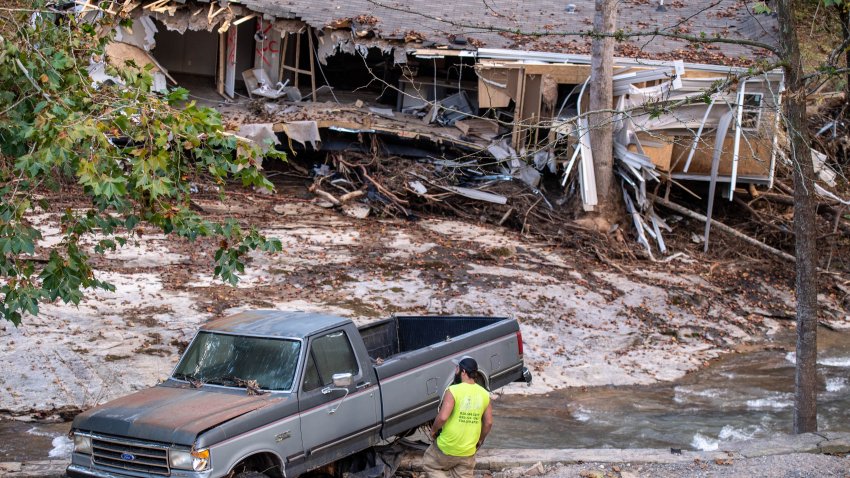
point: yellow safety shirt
(463, 428)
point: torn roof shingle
(524, 24)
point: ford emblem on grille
(128, 457)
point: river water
(740, 396)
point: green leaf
(761, 8)
(130, 152)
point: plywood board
(267, 51)
(562, 74)
(753, 160)
(490, 94)
(658, 147)
(483, 128)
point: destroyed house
(481, 79)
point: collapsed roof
(538, 24)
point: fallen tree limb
(386, 192)
(352, 195)
(789, 201)
(324, 195)
(723, 227)
(831, 207)
(761, 219)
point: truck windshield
(238, 361)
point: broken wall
(192, 52)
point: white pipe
(738, 131)
(775, 148)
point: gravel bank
(797, 465)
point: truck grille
(116, 453)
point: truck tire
(251, 474)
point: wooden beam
(312, 62)
(297, 57)
(284, 52)
(222, 58)
(562, 74)
(289, 68)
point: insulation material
(342, 41)
(399, 55)
(197, 19)
(303, 132)
(550, 93)
(260, 134)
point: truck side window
(329, 354)
(311, 375)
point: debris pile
(829, 122)
(360, 184)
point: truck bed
(412, 357)
(401, 334)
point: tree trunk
(805, 208)
(844, 18)
(601, 99)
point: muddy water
(739, 397)
(24, 441)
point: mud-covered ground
(584, 322)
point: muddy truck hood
(169, 414)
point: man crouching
(464, 420)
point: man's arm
(486, 424)
(445, 413)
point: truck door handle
(363, 385)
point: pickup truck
(274, 393)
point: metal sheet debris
(477, 194)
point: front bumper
(83, 471)
(77, 471)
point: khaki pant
(439, 465)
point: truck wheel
(251, 474)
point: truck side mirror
(342, 380)
(341, 383)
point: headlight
(197, 460)
(82, 443)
